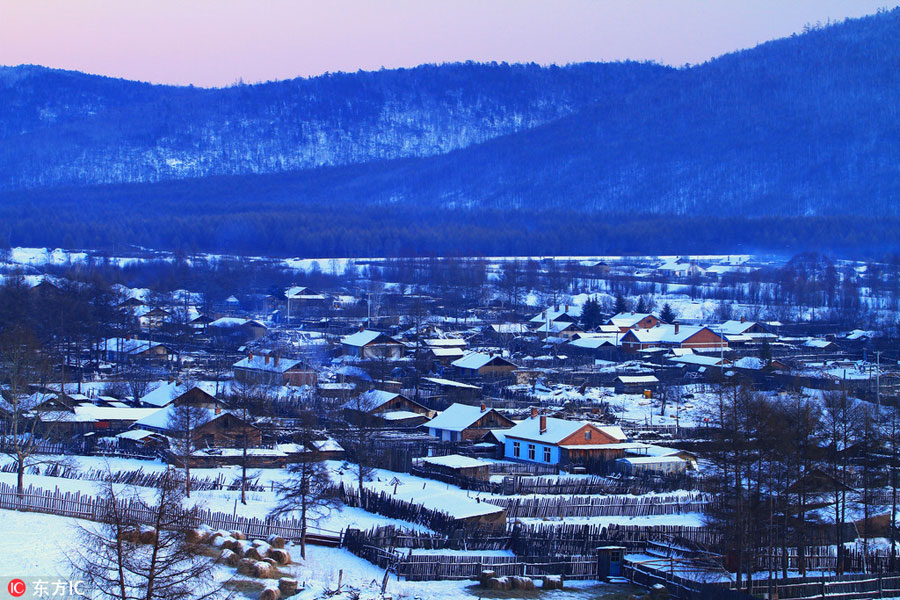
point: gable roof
(558, 430)
(458, 417)
(665, 334)
(256, 362)
(365, 337)
(477, 360)
(628, 319)
(167, 392)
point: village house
(559, 329)
(132, 350)
(548, 440)
(154, 318)
(303, 301)
(213, 427)
(453, 467)
(631, 320)
(439, 393)
(270, 369)
(387, 409)
(477, 364)
(635, 384)
(368, 344)
(445, 351)
(463, 423)
(556, 314)
(237, 328)
(672, 336)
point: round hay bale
(230, 558)
(282, 557)
(499, 583)
(238, 535)
(232, 544)
(148, 535)
(521, 583)
(270, 594)
(276, 541)
(287, 586)
(129, 534)
(262, 570)
(196, 536)
(252, 552)
(217, 534)
(485, 575)
(551, 582)
(270, 561)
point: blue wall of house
(509, 452)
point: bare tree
(357, 438)
(309, 490)
(184, 419)
(139, 550)
(28, 418)
(244, 396)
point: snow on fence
(378, 547)
(135, 477)
(601, 506)
(92, 508)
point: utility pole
(878, 380)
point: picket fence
(92, 508)
(600, 506)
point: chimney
(567, 308)
(250, 356)
(361, 327)
(276, 360)
(676, 328)
(218, 410)
(543, 429)
(533, 412)
(267, 359)
(483, 407)
(743, 318)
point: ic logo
(16, 588)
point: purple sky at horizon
(218, 42)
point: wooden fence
(92, 508)
(600, 506)
(844, 587)
(391, 548)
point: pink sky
(217, 42)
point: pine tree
(591, 316)
(621, 304)
(667, 315)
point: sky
(220, 42)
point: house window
(587, 435)
(516, 449)
(530, 451)
(546, 454)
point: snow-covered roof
(637, 379)
(90, 413)
(628, 319)
(135, 434)
(450, 383)
(264, 363)
(165, 393)
(127, 346)
(557, 429)
(399, 415)
(665, 333)
(233, 322)
(555, 312)
(457, 417)
(592, 342)
(735, 327)
(327, 446)
(750, 362)
(159, 418)
(447, 342)
(441, 352)
(455, 461)
(817, 343)
(510, 328)
(370, 400)
(651, 460)
(476, 360)
(367, 336)
(702, 360)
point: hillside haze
(791, 131)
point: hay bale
(233, 545)
(270, 594)
(197, 536)
(238, 535)
(230, 558)
(552, 582)
(262, 570)
(287, 586)
(282, 557)
(499, 583)
(276, 541)
(245, 566)
(129, 534)
(148, 535)
(485, 575)
(520, 583)
(252, 552)
(219, 533)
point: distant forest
(793, 145)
